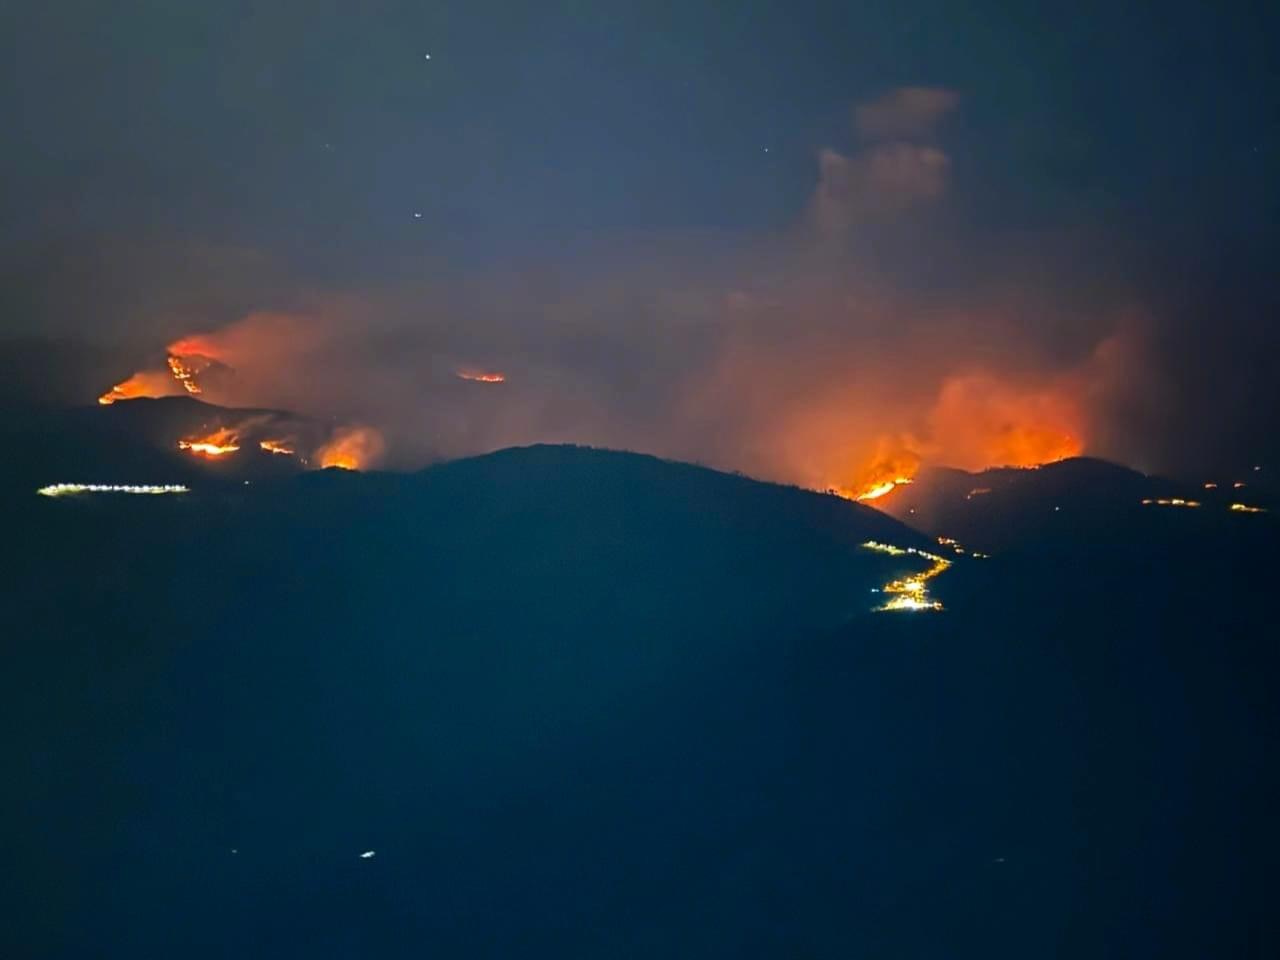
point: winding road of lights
(70, 489)
(909, 593)
(1179, 502)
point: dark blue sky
(181, 164)
(279, 122)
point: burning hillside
(976, 422)
(352, 448)
(183, 373)
(250, 361)
(821, 437)
(280, 447)
(224, 366)
(280, 436)
(821, 409)
(216, 444)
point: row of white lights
(67, 489)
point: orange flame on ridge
(282, 447)
(217, 444)
(144, 383)
(352, 448)
(893, 464)
(977, 422)
(182, 369)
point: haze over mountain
(640, 480)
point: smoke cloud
(875, 334)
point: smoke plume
(874, 335)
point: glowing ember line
(68, 489)
(1245, 508)
(217, 444)
(880, 489)
(874, 492)
(276, 446)
(1170, 502)
(477, 376)
(912, 592)
(208, 449)
(184, 374)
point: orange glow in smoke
(976, 422)
(478, 376)
(144, 383)
(352, 448)
(198, 345)
(217, 444)
(980, 421)
(893, 464)
(182, 368)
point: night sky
(558, 701)
(666, 222)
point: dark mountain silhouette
(585, 703)
(1081, 500)
(306, 668)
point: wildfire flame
(181, 374)
(893, 464)
(880, 489)
(282, 447)
(184, 373)
(221, 442)
(478, 376)
(145, 383)
(352, 448)
(976, 422)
